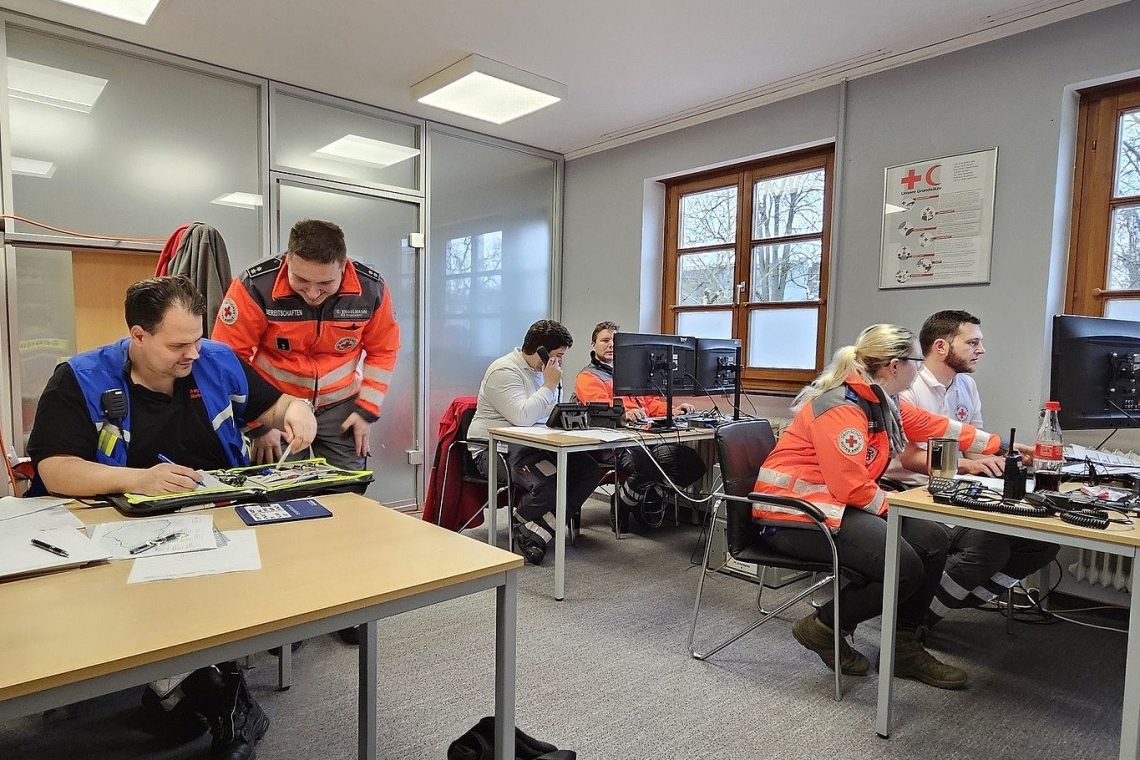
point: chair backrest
(742, 448)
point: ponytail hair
(876, 347)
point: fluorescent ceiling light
(52, 86)
(30, 167)
(239, 200)
(135, 11)
(488, 90)
(365, 151)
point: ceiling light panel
(54, 87)
(239, 200)
(135, 11)
(30, 167)
(365, 151)
(488, 90)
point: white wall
(1009, 94)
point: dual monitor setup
(676, 365)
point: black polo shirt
(176, 426)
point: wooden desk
(562, 444)
(85, 632)
(1122, 540)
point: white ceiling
(634, 68)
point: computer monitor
(642, 361)
(1094, 371)
(716, 365)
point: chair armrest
(893, 484)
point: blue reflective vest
(219, 377)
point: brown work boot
(913, 661)
(816, 636)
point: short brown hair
(548, 334)
(318, 241)
(944, 325)
(148, 300)
(611, 326)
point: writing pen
(284, 455)
(156, 542)
(164, 458)
(49, 548)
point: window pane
(1128, 155)
(1124, 249)
(1122, 308)
(705, 278)
(705, 324)
(791, 205)
(782, 338)
(708, 218)
(787, 271)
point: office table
(85, 632)
(1118, 539)
(563, 443)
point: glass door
(376, 229)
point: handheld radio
(1013, 487)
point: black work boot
(815, 635)
(913, 661)
(236, 721)
(533, 536)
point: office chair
(459, 453)
(742, 448)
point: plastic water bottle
(1049, 451)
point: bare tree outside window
(708, 218)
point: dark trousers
(682, 464)
(534, 471)
(981, 565)
(861, 544)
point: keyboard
(1076, 457)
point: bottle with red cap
(1049, 450)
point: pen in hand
(284, 455)
(156, 542)
(49, 548)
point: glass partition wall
(99, 138)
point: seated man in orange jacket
(643, 492)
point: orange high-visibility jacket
(314, 353)
(833, 453)
(596, 383)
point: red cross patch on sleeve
(850, 441)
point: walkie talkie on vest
(114, 403)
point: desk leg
(506, 599)
(493, 491)
(560, 528)
(367, 697)
(890, 614)
(1129, 729)
(285, 668)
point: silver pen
(284, 455)
(156, 542)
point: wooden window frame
(743, 177)
(1087, 289)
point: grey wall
(1010, 93)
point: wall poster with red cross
(938, 221)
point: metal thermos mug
(942, 457)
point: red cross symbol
(911, 179)
(852, 441)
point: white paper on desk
(44, 519)
(118, 538)
(210, 481)
(18, 556)
(539, 430)
(239, 554)
(599, 434)
(11, 507)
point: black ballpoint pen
(155, 542)
(49, 548)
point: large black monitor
(716, 365)
(1094, 372)
(642, 361)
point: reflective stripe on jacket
(216, 372)
(314, 353)
(834, 451)
(596, 383)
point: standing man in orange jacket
(320, 327)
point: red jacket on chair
(450, 502)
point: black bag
(479, 744)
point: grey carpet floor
(606, 673)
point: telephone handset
(544, 355)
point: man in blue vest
(116, 419)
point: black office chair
(742, 448)
(459, 452)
